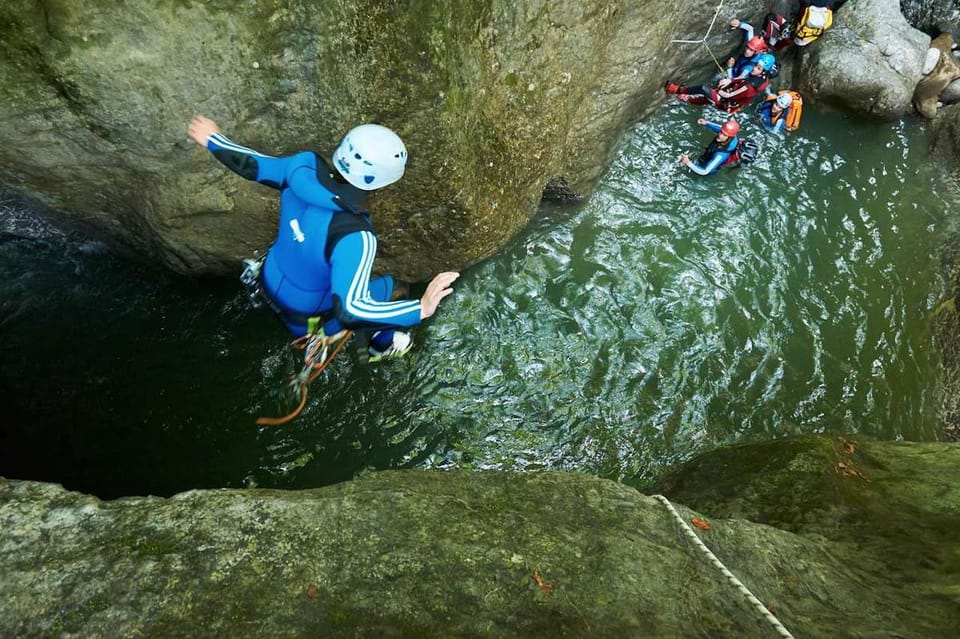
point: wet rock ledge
(859, 538)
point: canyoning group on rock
(746, 77)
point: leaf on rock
(702, 524)
(544, 586)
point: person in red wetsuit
(731, 94)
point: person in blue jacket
(317, 271)
(772, 113)
(720, 151)
(752, 46)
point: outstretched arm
(743, 24)
(245, 162)
(351, 263)
(711, 166)
(713, 126)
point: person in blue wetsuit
(722, 150)
(772, 113)
(752, 45)
(317, 271)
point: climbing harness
(779, 627)
(318, 351)
(318, 348)
(706, 35)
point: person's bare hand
(202, 128)
(437, 289)
(684, 159)
(701, 121)
(723, 82)
(734, 24)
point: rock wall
(932, 16)
(495, 99)
(858, 536)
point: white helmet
(784, 100)
(370, 157)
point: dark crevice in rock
(559, 191)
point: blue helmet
(766, 61)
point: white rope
(781, 630)
(706, 35)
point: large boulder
(496, 100)
(926, 96)
(871, 547)
(870, 61)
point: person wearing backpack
(721, 150)
(781, 112)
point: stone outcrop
(855, 535)
(927, 94)
(496, 100)
(870, 61)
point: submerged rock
(869, 546)
(870, 61)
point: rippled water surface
(665, 316)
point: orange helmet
(730, 128)
(757, 44)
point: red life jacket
(754, 85)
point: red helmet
(730, 128)
(757, 44)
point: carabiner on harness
(250, 278)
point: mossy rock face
(894, 507)
(495, 100)
(458, 554)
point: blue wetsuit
(774, 123)
(320, 262)
(743, 65)
(716, 154)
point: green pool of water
(667, 315)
